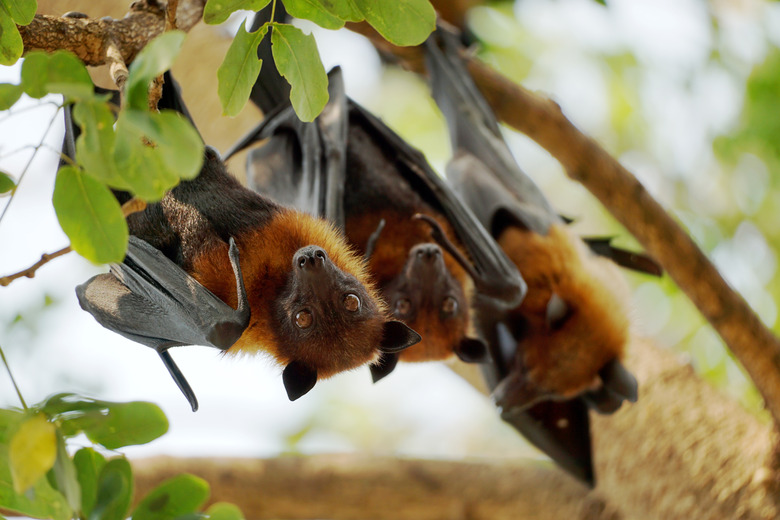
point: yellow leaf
(32, 452)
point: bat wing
(151, 300)
(494, 275)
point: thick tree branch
(89, 39)
(629, 202)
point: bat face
(571, 325)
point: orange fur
(565, 361)
(266, 261)
(400, 234)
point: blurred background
(683, 92)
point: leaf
(65, 475)
(59, 72)
(9, 420)
(115, 490)
(224, 511)
(6, 183)
(122, 424)
(402, 22)
(22, 11)
(41, 501)
(178, 496)
(319, 12)
(32, 451)
(9, 94)
(217, 11)
(239, 70)
(90, 215)
(88, 464)
(11, 45)
(95, 145)
(153, 60)
(177, 142)
(298, 60)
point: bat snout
(310, 259)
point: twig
(624, 196)
(13, 381)
(117, 68)
(170, 15)
(128, 208)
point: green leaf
(177, 142)
(217, 11)
(402, 22)
(239, 70)
(115, 490)
(9, 420)
(11, 45)
(224, 511)
(41, 501)
(32, 452)
(90, 215)
(89, 464)
(65, 402)
(298, 60)
(6, 183)
(180, 495)
(65, 475)
(322, 13)
(59, 73)
(153, 60)
(122, 424)
(95, 145)
(22, 11)
(9, 94)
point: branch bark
(632, 205)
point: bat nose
(310, 258)
(427, 252)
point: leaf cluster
(40, 479)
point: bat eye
(402, 307)
(304, 319)
(449, 306)
(351, 302)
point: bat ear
(516, 393)
(298, 379)
(619, 380)
(557, 312)
(396, 336)
(472, 350)
(383, 366)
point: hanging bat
(426, 250)
(299, 293)
(559, 351)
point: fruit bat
(216, 264)
(426, 250)
(557, 353)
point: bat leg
(383, 367)
(371, 244)
(179, 378)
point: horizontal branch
(360, 486)
(89, 39)
(632, 205)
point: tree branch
(89, 39)
(629, 202)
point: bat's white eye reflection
(403, 306)
(449, 306)
(304, 319)
(351, 302)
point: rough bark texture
(683, 451)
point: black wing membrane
(151, 300)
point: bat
(298, 293)
(559, 352)
(426, 250)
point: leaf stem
(16, 387)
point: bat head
(430, 299)
(572, 328)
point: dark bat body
(559, 351)
(304, 297)
(349, 167)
